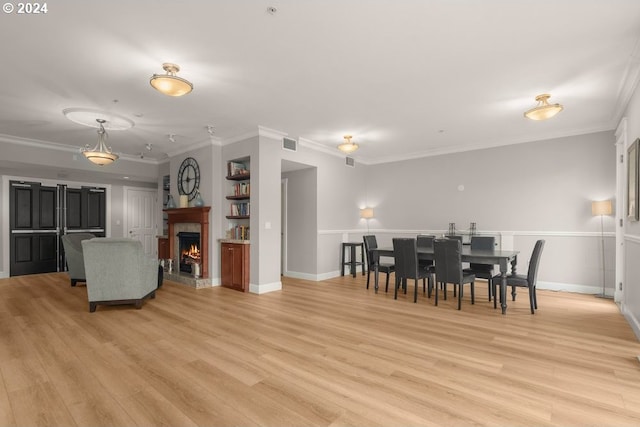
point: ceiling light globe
(543, 110)
(170, 84)
(347, 146)
(100, 158)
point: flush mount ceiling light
(543, 110)
(347, 146)
(100, 154)
(169, 83)
(89, 117)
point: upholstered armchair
(118, 272)
(74, 257)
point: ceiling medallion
(90, 117)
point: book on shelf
(241, 189)
(239, 232)
(240, 209)
(236, 168)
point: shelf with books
(239, 198)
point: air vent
(350, 161)
(289, 144)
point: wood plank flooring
(328, 353)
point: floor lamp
(602, 208)
(366, 214)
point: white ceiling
(405, 78)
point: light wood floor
(316, 353)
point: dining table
(503, 258)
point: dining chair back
(405, 251)
(483, 271)
(425, 241)
(448, 263)
(373, 260)
(524, 281)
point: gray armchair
(118, 272)
(73, 254)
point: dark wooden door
(33, 227)
(85, 210)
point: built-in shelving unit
(239, 199)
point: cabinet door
(226, 267)
(234, 268)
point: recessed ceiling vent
(350, 161)
(289, 144)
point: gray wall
(539, 186)
(631, 295)
(302, 223)
(340, 193)
(523, 192)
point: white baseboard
(633, 321)
(570, 287)
(318, 277)
(4, 275)
(302, 276)
(267, 287)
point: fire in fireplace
(189, 250)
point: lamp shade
(366, 213)
(603, 207)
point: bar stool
(352, 263)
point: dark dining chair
(448, 262)
(522, 281)
(405, 251)
(370, 242)
(425, 241)
(482, 271)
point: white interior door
(141, 218)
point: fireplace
(198, 216)
(189, 250)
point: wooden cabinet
(163, 248)
(235, 266)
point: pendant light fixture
(543, 110)
(100, 154)
(348, 146)
(169, 83)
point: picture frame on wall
(633, 195)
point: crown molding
(210, 141)
(46, 145)
(38, 143)
(629, 83)
(463, 148)
(271, 133)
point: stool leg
(362, 257)
(342, 263)
(353, 261)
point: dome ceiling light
(170, 84)
(543, 110)
(348, 146)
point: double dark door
(40, 215)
